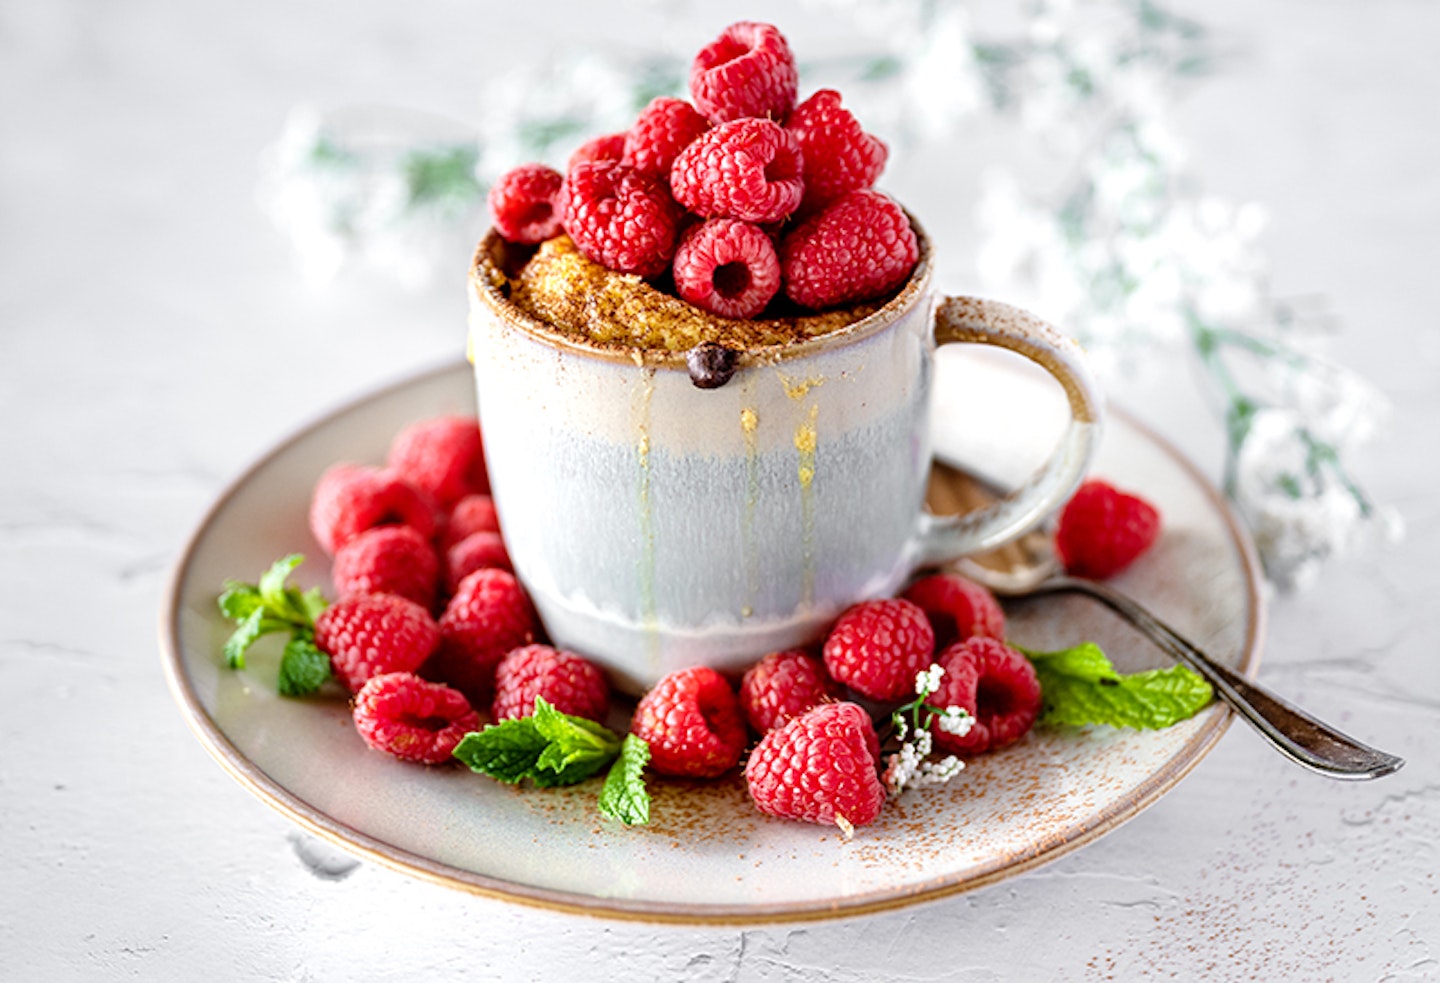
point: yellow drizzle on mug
(640, 409)
(805, 441)
(749, 422)
(798, 389)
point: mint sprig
(1080, 686)
(303, 667)
(550, 748)
(623, 796)
(272, 606)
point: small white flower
(909, 766)
(924, 744)
(927, 681)
(955, 720)
(937, 772)
(900, 769)
(339, 185)
(1301, 514)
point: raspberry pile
(435, 637)
(429, 622)
(740, 197)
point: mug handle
(989, 322)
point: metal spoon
(1028, 568)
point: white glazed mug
(658, 525)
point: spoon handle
(1297, 734)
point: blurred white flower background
(1126, 248)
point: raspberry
(748, 70)
(442, 456)
(820, 768)
(996, 685)
(620, 218)
(488, 616)
(859, 247)
(839, 156)
(727, 267)
(784, 685)
(373, 634)
(401, 714)
(473, 513)
(692, 723)
(665, 128)
(957, 608)
(350, 498)
(748, 169)
(387, 560)
(610, 146)
(1102, 530)
(522, 203)
(877, 647)
(477, 551)
(563, 679)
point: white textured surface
(154, 339)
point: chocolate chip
(711, 365)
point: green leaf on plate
(238, 600)
(624, 796)
(254, 625)
(507, 751)
(1080, 686)
(271, 606)
(549, 748)
(303, 667)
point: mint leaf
(1080, 686)
(256, 624)
(577, 748)
(270, 606)
(506, 751)
(303, 667)
(272, 581)
(290, 603)
(238, 600)
(549, 747)
(624, 796)
(310, 604)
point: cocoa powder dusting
(580, 298)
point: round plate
(708, 855)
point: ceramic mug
(658, 525)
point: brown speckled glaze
(708, 856)
(960, 319)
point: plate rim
(356, 842)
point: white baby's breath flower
(900, 769)
(924, 742)
(1337, 405)
(955, 720)
(927, 681)
(943, 86)
(302, 200)
(937, 772)
(909, 768)
(382, 188)
(1297, 503)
